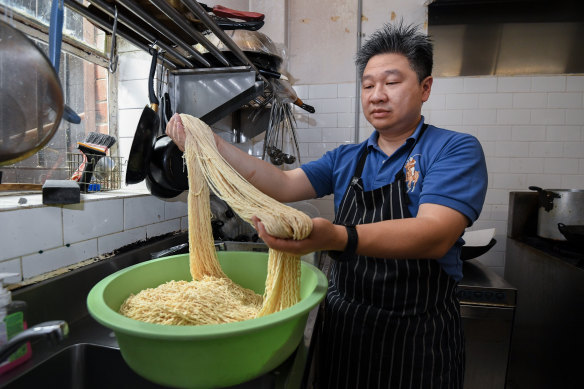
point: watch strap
(351, 247)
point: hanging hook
(113, 65)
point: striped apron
(388, 323)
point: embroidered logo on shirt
(412, 174)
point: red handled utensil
(225, 12)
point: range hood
(495, 37)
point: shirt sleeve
(457, 177)
(319, 173)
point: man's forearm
(429, 235)
(284, 186)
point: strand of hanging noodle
(283, 281)
(211, 297)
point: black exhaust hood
(443, 12)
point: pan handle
(151, 95)
(226, 24)
(225, 12)
(546, 197)
(55, 33)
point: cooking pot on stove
(564, 206)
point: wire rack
(95, 173)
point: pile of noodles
(211, 297)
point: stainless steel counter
(487, 309)
(546, 350)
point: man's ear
(426, 88)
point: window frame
(36, 30)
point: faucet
(55, 331)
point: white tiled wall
(36, 239)
(531, 129)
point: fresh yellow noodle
(193, 303)
(211, 297)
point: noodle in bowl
(204, 356)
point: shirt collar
(372, 141)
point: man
(391, 316)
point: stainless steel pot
(31, 98)
(558, 206)
(258, 47)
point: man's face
(391, 95)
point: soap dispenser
(12, 322)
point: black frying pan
(573, 234)
(145, 132)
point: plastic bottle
(12, 322)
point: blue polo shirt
(451, 171)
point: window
(85, 81)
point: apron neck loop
(400, 174)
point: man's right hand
(176, 131)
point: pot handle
(546, 197)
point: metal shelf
(200, 89)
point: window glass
(85, 88)
(74, 25)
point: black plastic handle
(227, 24)
(151, 95)
(546, 197)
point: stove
(549, 275)
(562, 250)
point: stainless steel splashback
(507, 49)
(493, 37)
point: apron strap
(361, 163)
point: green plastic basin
(204, 356)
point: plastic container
(12, 322)
(205, 356)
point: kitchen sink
(89, 358)
(83, 366)
(90, 366)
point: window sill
(25, 200)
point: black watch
(349, 251)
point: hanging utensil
(573, 234)
(222, 11)
(31, 97)
(113, 58)
(285, 91)
(55, 39)
(146, 132)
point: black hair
(402, 39)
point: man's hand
(324, 236)
(176, 131)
